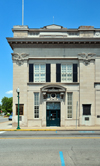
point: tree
(7, 104)
(10, 101)
(0, 107)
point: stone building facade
(58, 73)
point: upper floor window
(66, 73)
(39, 73)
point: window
(66, 73)
(86, 109)
(33, 33)
(73, 33)
(58, 72)
(36, 105)
(30, 72)
(69, 105)
(21, 109)
(39, 73)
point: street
(2, 119)
(50, 148)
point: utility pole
(22, 12)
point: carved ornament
(19, 57)
(86, 57)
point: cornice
(52, 41)
(68, 39)
(58, 28)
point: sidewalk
(7, 126)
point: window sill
(70, 83)
(71, 119)
(60, 83)
(36, 83)
(36, 118)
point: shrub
(8, 114)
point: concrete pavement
(7, 126)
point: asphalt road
(2, 119)
(50, 148)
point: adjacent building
(58, 73)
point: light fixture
(18, 90)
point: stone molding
(53, 88)
(86, 57)
(45, 83)
(19, 58)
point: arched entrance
(53, 95)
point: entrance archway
(53, 96)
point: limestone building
(58, 73)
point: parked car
(10, 117)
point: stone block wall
(20, 78)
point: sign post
(18, 91)
(76, 112)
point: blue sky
(38, 13)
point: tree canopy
(7, 104)
(0, 107)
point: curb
(49, 130)
(28, 130)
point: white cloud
(9, 92)
(0, 101)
